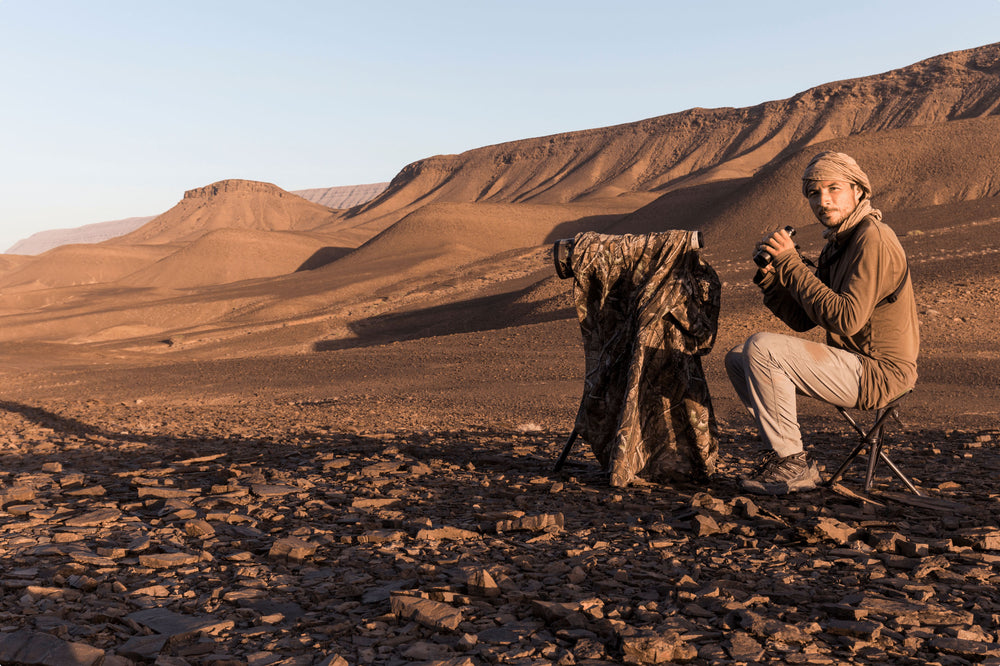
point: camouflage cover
(648, 307)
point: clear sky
(113, 108)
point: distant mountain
(343, 197)
(330, 197)
(89, 233)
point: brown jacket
(859, 269)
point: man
(860, 295)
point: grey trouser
(769, 369)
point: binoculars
(762, 257)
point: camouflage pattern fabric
(648, 307)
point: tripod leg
(565, 452)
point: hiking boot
(779, 476)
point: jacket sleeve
(843, 312)
(781, 302)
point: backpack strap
(891, 298)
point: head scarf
(836, 166)
(839, 166)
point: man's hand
(778, 242)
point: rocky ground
(304, 531)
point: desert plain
(260, 430)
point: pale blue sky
(113, 108)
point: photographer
(861, 295)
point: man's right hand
(777, 242)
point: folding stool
(874, 441)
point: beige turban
(836, 166)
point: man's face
(832, 201)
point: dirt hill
(330, 197)
(70, 265)
(229, 204)
(697, 146)
(225, 232)
(231, 255)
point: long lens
(562, 257)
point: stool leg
(900, 475)
(854, 453)
(565, 452)
(874, 449)
(844, 465)
(873, 440)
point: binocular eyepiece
(762, 257)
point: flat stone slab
(32, 648)
(95, 518)
(167, 560)
(169, 623)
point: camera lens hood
(562, 256)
